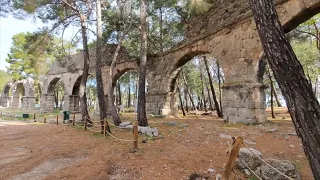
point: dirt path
(48, 151)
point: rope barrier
(93, 130)
(111, 123)
(249, 168)
(126, 140)
(267, 163)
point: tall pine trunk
(271, 93)
(181, 104)
(276, 97)
(188, 91)
(209, 98)
(85, 74)
(296, 89)
(220, 92)
(142, 117)
(129, 95)
(214, 97)
(100, 90)
(186, 98)
(119, 94)
(202, 92)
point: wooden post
(57, 119)
(135, 136)
(45, 118)
(104, 127)
(34, 116)
(85, 123)
(74, 119)
(232, 159)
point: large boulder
(148, 131)
(249, 158)
(283, 166)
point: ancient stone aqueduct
(228, 32)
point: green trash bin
(66, 115)
(24, 116)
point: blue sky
(10, 26)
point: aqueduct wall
(227, 32)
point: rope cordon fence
(235, 148)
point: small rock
(184, 125)
(271, 130)
(171, 123)
(125, 124)
(247, 172)
(291, 145)
(144, 141)
(211, 170)
(224, 136)
(218, 177)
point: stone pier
(244, 103)
(28, 102)
(47, 103)
(164, 103)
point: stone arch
(118, 71)
(121, 69)
(5, 98)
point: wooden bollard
(45, 119)
(85, 123)
(232, 159)
(57, 119)
(74, 119)
(34, 116)
(104, 127)
(135, 136)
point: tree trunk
(216, 104)
(271, 93)
(142, 118)
(181, 104)
(56, 97)
(220, 92)
(161, 30)
(276, 97)
(202, 92)
(129, 95)
(119, 94)
(209, 98)
(186, 98)
(100, 90)
(297, 91)
(85, 74)
(188, 91)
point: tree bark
(209, 98)
(219, 82)
(129, 94)
(161, 30)
(186, 98)
(276, 97)
(202, 92)
(296, 89)
(142, 117)
(188, 91)
(181, 104)
(271, 93)
(119, 94)
(85, 74)
(100, 90)
(214, 97)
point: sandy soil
(49, 151)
